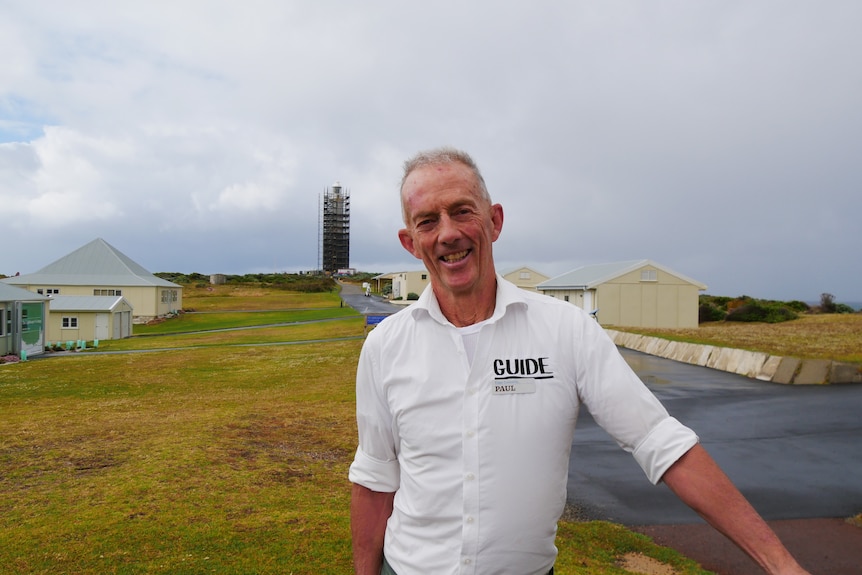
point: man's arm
(698, 481)
(369, 511)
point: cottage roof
(86, 302)
(589, 277)
(97, 263)
(12, 293)
(508, 271)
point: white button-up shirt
(478, 453)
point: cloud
(715, 138)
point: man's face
(450, 227)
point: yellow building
(525, 278)
(88, 318)
(637, 293)
(99, 269)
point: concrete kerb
(757, 365)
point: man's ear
(406, 239)
(497, 220)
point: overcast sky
(721, 139)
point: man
(467, 402)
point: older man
(467, 402)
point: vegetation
(748, 309)
(829, 305)
(227, 456)
(303, 283)
(835, 337)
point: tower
(335, 235)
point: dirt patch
(640, 563)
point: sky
(720, 139)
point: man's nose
(449, 231)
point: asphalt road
(366, 305)
(794, 451)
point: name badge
(507, 388)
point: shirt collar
(508, 294)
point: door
(102, 321)
(32, 328)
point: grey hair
(442, 156)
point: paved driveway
(370, 305)
(794, 451)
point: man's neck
(464, 310)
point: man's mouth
(458, 256)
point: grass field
(836, 337)
(228, 455)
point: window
(169, 296)
(648, 276)
(53, 291)
(566, 298)
(2, 321)
(40, 291)
(70, 322)
(107, 292)
(424, 277)
(525, 275)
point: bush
(827, 303)
(798, 306)
(412, 296)
(708, 312)
(761, 311)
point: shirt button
(467, 561)
(469, 520)
(470, 433)
(471, 477)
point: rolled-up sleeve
(623, 406)
(375, 464)
(666, 442)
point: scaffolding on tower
(335, 229)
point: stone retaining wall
(748, 363)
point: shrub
(708, 312)
(412, 296)
(717, 301)
(798, 306)
(762, 311)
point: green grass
(209, 459)
(214, 320)
(836, 337)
